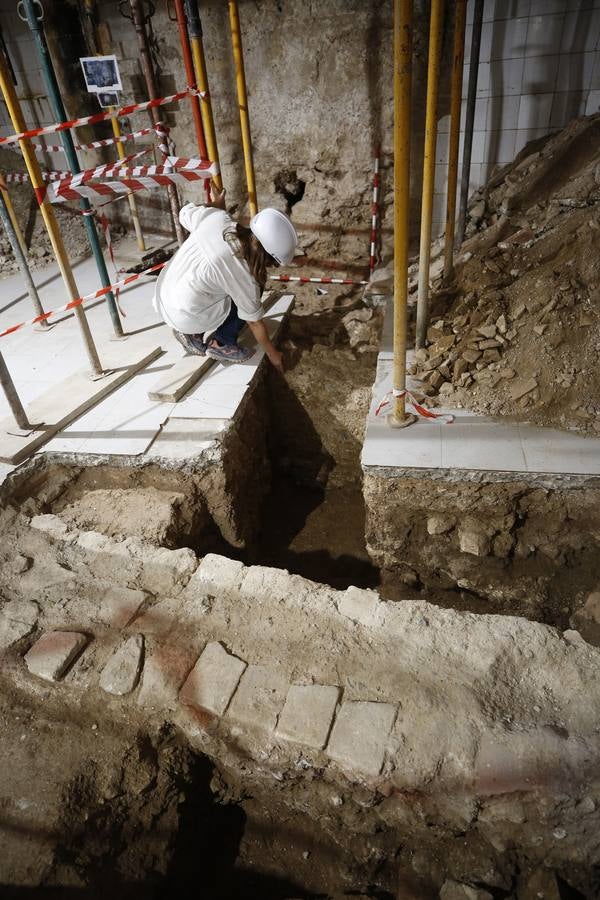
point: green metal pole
(67, 141)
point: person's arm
(261, 334)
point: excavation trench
(142, 811)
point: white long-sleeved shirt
(194, 291)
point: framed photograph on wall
(101, 73)
(108, 98)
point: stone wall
(527, 549)
(404, 724)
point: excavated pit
(139, 810)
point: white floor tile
(212, 401)
(559, 452)
(470, 445)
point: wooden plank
(62, 404)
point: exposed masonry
(417, 717)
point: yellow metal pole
(402, 89)
(458, 58)
(208, 122)
(240, 81)
(37, 182)
(130, 197)
(433, 71)
(13, 217)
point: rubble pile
(517, 333)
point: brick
(53, 653)
(119, 605)
(213, 680)
(259, 699)
(165, 669)
(359, 735)
(359, 605)
(121, 673)
(308, 713)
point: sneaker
(229, 353)
(191, 343)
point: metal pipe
(10, 392)
(13, 217)
(19, 255)
(458, 58)
(242, 94)
(469, 119)
(190, 75)
(403, 10)
(139, 23)
(37, 182)
(433, 71)
(60, 113)
(195, 32)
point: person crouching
(212, 286)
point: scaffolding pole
(469, 120)
(195, 32)
(37, 182)
(58, 108)
(402, 89)
(190, 75)
(433, 71)
(139, 23)
(10, 392)
(242, 94)
(458, 58)
(19, 255)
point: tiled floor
(471, 442)
(126, 422)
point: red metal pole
(191, 77)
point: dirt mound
(518, 332)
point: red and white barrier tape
(101, 116)
(304, 280)
(374, 209)
(386, 401)
(94, 145)
(68, 177)
(58, 192)
(79, 300)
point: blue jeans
(228, 333)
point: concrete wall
(320, 94)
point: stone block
(17, 620)
(213, 680)
(359, 605)
(166, 571)
(456, 890)
(438, 524)
(166, 667)
(359, 735)
(119, 605)
(53, 653)
(52, 526)
(259, 699)
(473, 540)
(121, 673)
(308, 713)
(216, 574)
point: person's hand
(218, 201)
(276, 359)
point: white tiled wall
(539, 68)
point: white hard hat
(276, 233)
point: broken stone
(488, 331)
(53, 653)
(441, 346)
(455, 890)
(213, 680)
(436, 379)
(488, 344)
(121, 673)
(501, 324)
(460, 366)
(439, 524)
(359, 735)
(17, 619)
(522, 387)
(539, 329)
(506, 373)
(471, 356)
(473, 540)
(308, 713)
(259, 699)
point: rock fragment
(121, 673)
